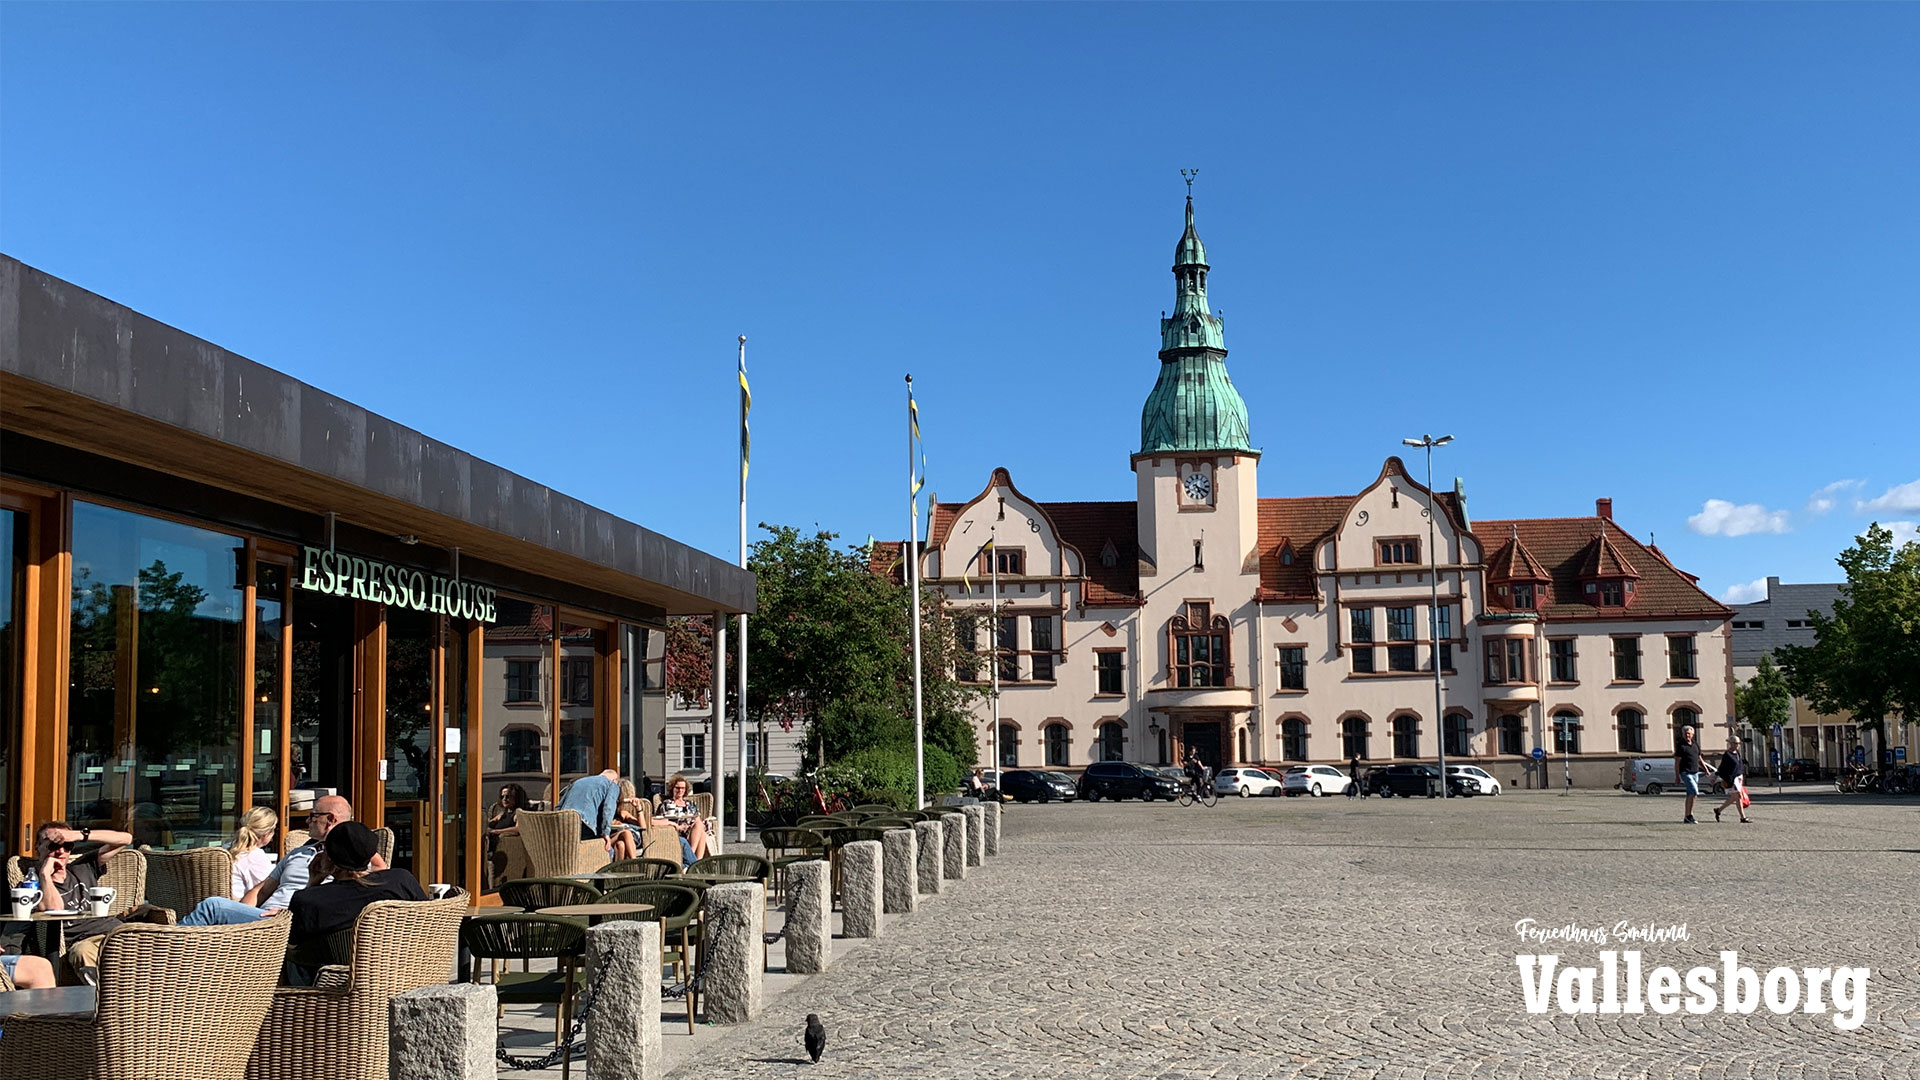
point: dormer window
(1109, 555)
(1523, 599)
(1613, 594)
(1286, 555)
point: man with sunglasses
(65, 878)
(291, 874)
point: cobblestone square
(1366, 938)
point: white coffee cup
(439, 891)
(24, 899)
(100, 899)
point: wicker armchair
(554, 847)
(177, 880)
(126, 873)
(175, 1003)
(337, 1029)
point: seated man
(597, 800)
(320, 911)
(290, 875)
(64, 881)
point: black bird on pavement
(816, 1037)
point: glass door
(411, 738)
(13, 595)
(458, 844)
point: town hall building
(1201, 616)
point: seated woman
(632, 819)
(320, 911)
(251, 863)
(678, 809)
(501, 823)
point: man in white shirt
(289, 876)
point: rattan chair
(337, 1028)
(174, 1003)
(646, 868)
(126, 873)
(677, 908)
(536, 893)
(178, 880)
(384, 837)
(554, 846)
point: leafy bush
(884, 774)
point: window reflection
(515, 693)
(154, 744)
(13, 576)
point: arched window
(1199, 644)
(1566, 733)
(1160, 744)
(1056, 744)
(1293, 739)
(1353, 737)
(1406, 736)
(1110, 746)
(1512, 740)
(1633, 731)
(1685, 717)
(1009, 746)
(1459, 733)
(1244, 756)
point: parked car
(1277, 774)
(1653, 775)
(1408, 781)
(1025, 785)
(1125, 780)
(1802, 768)
(1488, 785)
(1314, 780)
(1244, 783)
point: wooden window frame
(1119, 672)
(1397, 551)
(1281, 662)
(1573, 661)
(1638, 654)
(1691, 653)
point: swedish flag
(746, 406)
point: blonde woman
(251, 863)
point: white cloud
(1901, 499)
(1718, 517)
(1903, 531)
(1746, 593)
(1827, 497)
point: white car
(1314, 780)
(1488, 785)
(1244, 783)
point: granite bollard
(443, 1032)
(931, 841)
(623, 1031)
(954, 853)
(732, 940)
(976, 833)
(992, 837)
(860, 883)
(900, 867)
(809, 930)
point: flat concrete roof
(79, 370)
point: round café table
(595, 914)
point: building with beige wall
(1201, 616)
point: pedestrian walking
(1733, 773)
(1353, 769)
(1686, 768)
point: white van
(1653, 775)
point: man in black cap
(320, 911)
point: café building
(225, 588)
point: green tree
(1765, 699)
(1865, 659)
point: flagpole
(913, 583)
(740, 803)
(993, 630)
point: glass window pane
(517, 725)
(269, 626)
(580, 648)
(13, 576)
(153, 739)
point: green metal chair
(652, 869)
(818, 821)
(873, 807)
(734, 865)
(677, 909)
(524, 937)
(536, 893)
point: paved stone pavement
(1372, 938)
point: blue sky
(1664, 253)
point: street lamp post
(1433, 606)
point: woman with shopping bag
(1733, 773)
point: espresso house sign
(340, 574)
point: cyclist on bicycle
(1196, 772)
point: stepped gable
(1570, 547)
(1302, 522)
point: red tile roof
(1567, 548)
(1302, 523)
(1513, 562)
(1090, 527)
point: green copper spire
(1193, 406)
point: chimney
(1603, 508)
